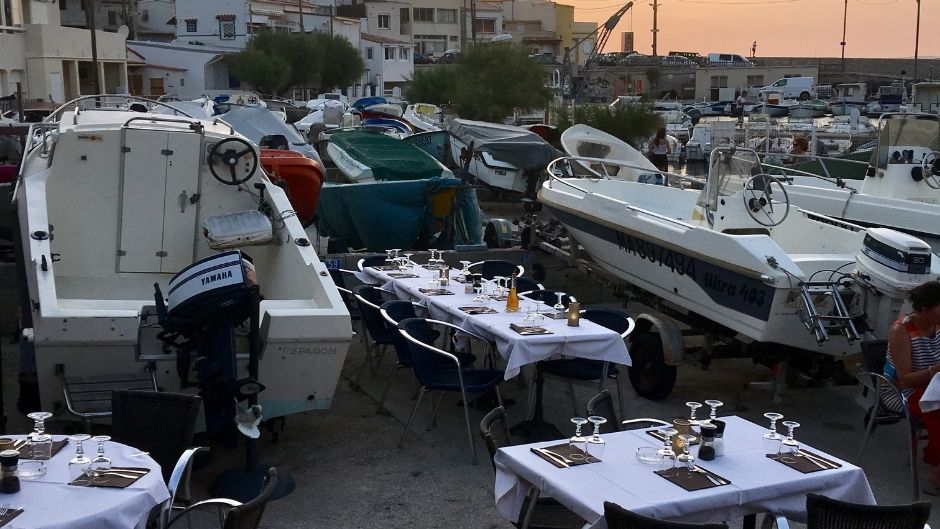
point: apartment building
(434, 26)
(229, 23)
(548, 29)
(145, 19)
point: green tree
(266, 73)
(431, 85)
(628, 122)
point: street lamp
(916, 41)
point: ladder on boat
(821, 324)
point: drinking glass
(693, 406)
(39, 422)
(465, 271)
(714, 405)
(40, 446)
(790, 447)
(408, 262)
(389, 257)
(79, 464)
(648, 455)
(666, 451)
(577, 440)
(772, 439)
(478, 290)
(596, 443)
(685, 461)
(529, 316)
(395, 252)
(537, 317)
(498, 290)
(559, 306)
(101, 464)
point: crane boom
(602, 33)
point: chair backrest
(425, 358)
(157, 422)
(874, 353)
(524, 284)
(337, 276)
(614, 319)
(619, 518)
(602, 404)
(178, 484)
(827, 513)
(495, 267)
(370, 299)
(248, 515)
(494, 428)
(372, 260)
(394, 312)
(549, 297)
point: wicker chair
(157, 422)
(547, 513)
(827, 513)
(619, 518)
(240, 515)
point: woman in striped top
(913, 359)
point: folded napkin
(8, 516)
(435, 291)
(564, 455)
(691, 480)
(26, 452)
(804, 464)
(117, 478)
(401, 275)
(478, 310)
(527, 330)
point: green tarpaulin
(389, 158)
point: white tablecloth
(930, 400)
(758, 484)
(51, 503)
(588, 340)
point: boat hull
(485, 168)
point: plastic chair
(240, 515)
(372, 260)
(547, 512)
(547, 296)
(873, 381)
(619, 518)
(434, 377)
(827, 513)
(586, 370)
(493, 268)
(154, 421)
(378, 337)
(178, 484)
(603, 404)
(524, 284)
(339, 279)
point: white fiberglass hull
(583, 140)
(487, 169)
(351, 168)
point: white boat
(386, 108)
(738, 254)
(585, 141)
(137, 198)
(365, 156)
(424, 116)
(847, 97)
(901, 189)
(262, 127)
(708, 136)
(781, 108)
(501, 156)
(813, 108)
(925, 97)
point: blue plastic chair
(434, 376)
(369, 299)
(549, 297)
(524, 284)
(495, 267)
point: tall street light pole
(916, 40)
(845, 15)
(655, 30)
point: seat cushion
(577, 368)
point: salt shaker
(9, 482)
(719, 437)
(706, 450)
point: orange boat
(300, 177)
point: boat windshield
(728, 171)
(906, 133)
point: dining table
(52, 502)
(750, 481)
(586, 340)
(930, 400)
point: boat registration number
(679, 263)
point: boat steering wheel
(930, 169)
(759, 191)
(238, 156)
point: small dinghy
(367, 157)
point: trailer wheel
(650, 376)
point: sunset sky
(805, 28)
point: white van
(791, 88)
(727, 59)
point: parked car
(728, 59)
(421, 58)
(676, 61)
(544, 58)
(449, 57)
(791, 88)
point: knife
(822, 463)
(127, 470)
(120, 475)
(708, 475)
(552, 455)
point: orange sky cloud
(805, 28)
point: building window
(144, 15)
(182, 82)
(719, 81)
(227, 29)
(446, 16)
(485, 25)
(191, 26)
(405, 14)
(424, 14)
(403, 54)
(112, 18)
(369, 53)
(62, 5)
(755, 80)
(389, 54)
(453, 38)
(385, 21)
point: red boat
(300, 177)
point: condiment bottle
(512, 300)
(706, 449)
(719, 437)
(9, 482)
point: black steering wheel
(238, 156)
(759, 191)
(930, 169)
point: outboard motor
(206, 302)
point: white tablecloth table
(758, 484)
(587, 340)
(930, 400)
(51, 503)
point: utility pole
(90, 21)
(845, 16)
(473, 21)
(916, 41)
(300, 7)
(655, 5)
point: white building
(229, 23)
(389, 64)
(52, 62)
(186, 71)
(145, 19)
(434, 25)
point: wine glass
(389, 257)
(537, 317)
(577, 441)
(395, 252)
(772, 439)
(685, 460)
(666, 450)
(465, 271)
(101, 464)
(39, 422)
(790, 446)
(693, 406)
(714, 405)
(559, 306)
(529, 316)
(79, 464)
(498, 291)
(596, 443)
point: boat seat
(235, 230)
(90, 397)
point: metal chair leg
(620, 397)
(388, 386)
(365, 362)
(411, 417)
(574, 403)
(914, 431)
(466, 416)
(868, 429)
(437, 405)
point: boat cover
(516, 145)
(255, 123)
(384, 215)
(389, 158)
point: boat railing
(108, 102)
(827, 177)
(562, 168)
(194, 124)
